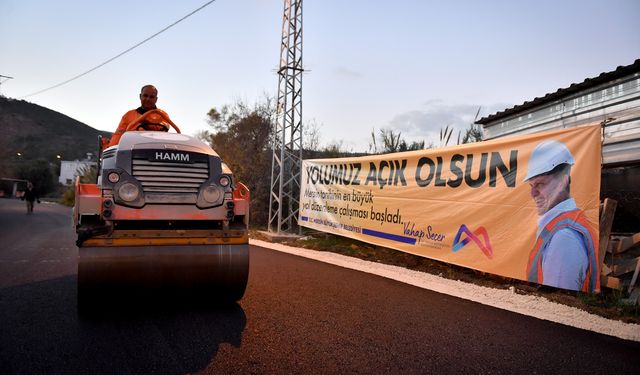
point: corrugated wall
(616, 102)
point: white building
(69, 170)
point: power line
(6, 78)
(121, 53)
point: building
(12, 187)
(611, 99)
(69, 170)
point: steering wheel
(155, 117)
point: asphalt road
(298, 316)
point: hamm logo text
(171, 156)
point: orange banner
(523, 207)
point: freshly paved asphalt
(298, 316)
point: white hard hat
(546, 156)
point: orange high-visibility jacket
(124, 122)
(127, 119)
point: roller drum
(215, 271)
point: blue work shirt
(564, 259)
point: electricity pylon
(287, 141)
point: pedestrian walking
(30, 195)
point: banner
(523, 207)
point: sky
(411, 66)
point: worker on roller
(565, 253)
(148, 99)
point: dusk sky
(411, 66)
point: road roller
(164, 214)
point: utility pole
(1, 81)
(287, 142)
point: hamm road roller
(164, 214)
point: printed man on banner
(565, 253)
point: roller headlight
(128, 192)
(113, 177)
(211, 194)
(224, 181)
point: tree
(411, 147)
(472, 134)
(391, 141)
(335, 149)
(311, 136)
(38, 172)
(242, 137)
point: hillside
(40, 133)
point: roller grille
(168, 177)
(109, 153)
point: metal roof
(604, 77)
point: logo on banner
(480, 232)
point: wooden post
(606, 221)
(635, 277)
(626, 243)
